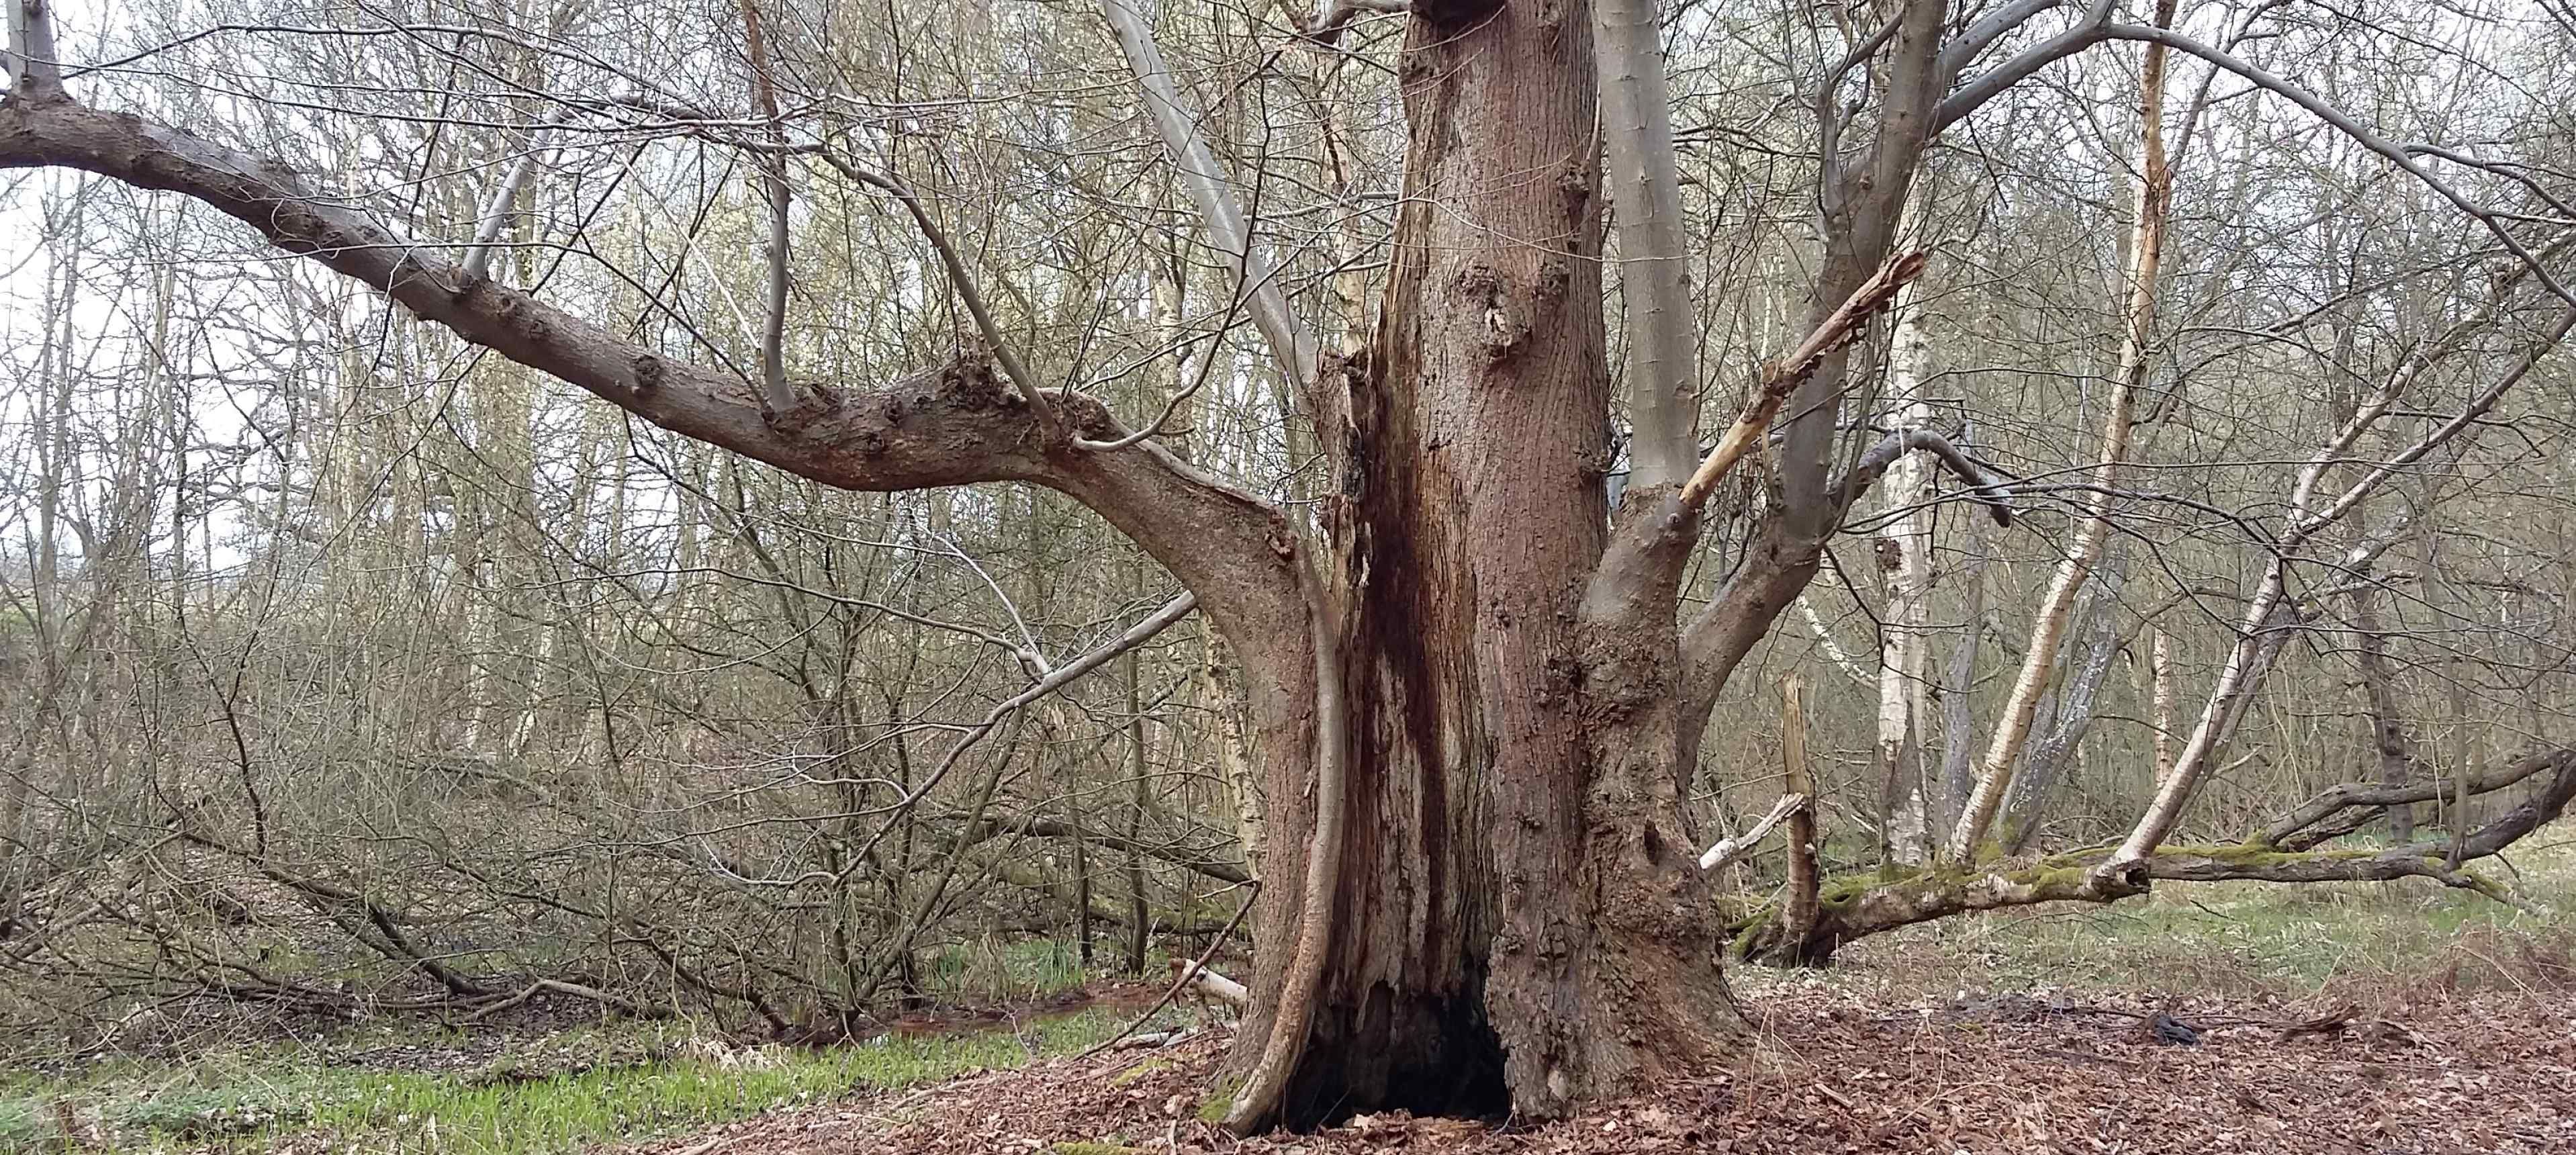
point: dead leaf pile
(1832, 1074)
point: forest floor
(2454, 1031)
(2332, 1019)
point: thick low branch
(933, 432)
(1860, 906)
(955, 425)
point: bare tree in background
(1477, 688)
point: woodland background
(353, 667)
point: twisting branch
(1267, 1083)
(2367, 797)
(2091, 29)
(1963, 49)
(1988, 487)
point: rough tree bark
(1481, 955)
(1495, 906)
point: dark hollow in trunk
(1518, 922)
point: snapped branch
(1841, 327)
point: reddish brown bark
(1520, 923)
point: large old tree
(1475, 688)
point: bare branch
(1989, 488)
(2352, 795)
(773, 320)
(2316, 106)
(2091, 30)
(1728, 850)
(962, 281)
(1844, 325)
(1290, 344)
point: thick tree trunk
(1517, 920)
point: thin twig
(1184, 977)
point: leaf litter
(1833, 1071)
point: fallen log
(1857, 906)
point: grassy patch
(645, 1082)
(2235, 938)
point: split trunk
(1517, 922)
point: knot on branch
(969, 381)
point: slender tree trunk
(1959, 684)
(1139, 923)
(2389, 735)
(2070, 715)
(1904, 552)
(2160, 678)
(2138, 319)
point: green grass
(270, 1099)
(990, 970)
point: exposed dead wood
(1728, 850)
(1844, 325)
(1211, 984)
(1801, 906)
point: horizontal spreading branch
(1986, 486)
(1859, 906)
(2371, 796)
(991, 827)
(956, 424)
